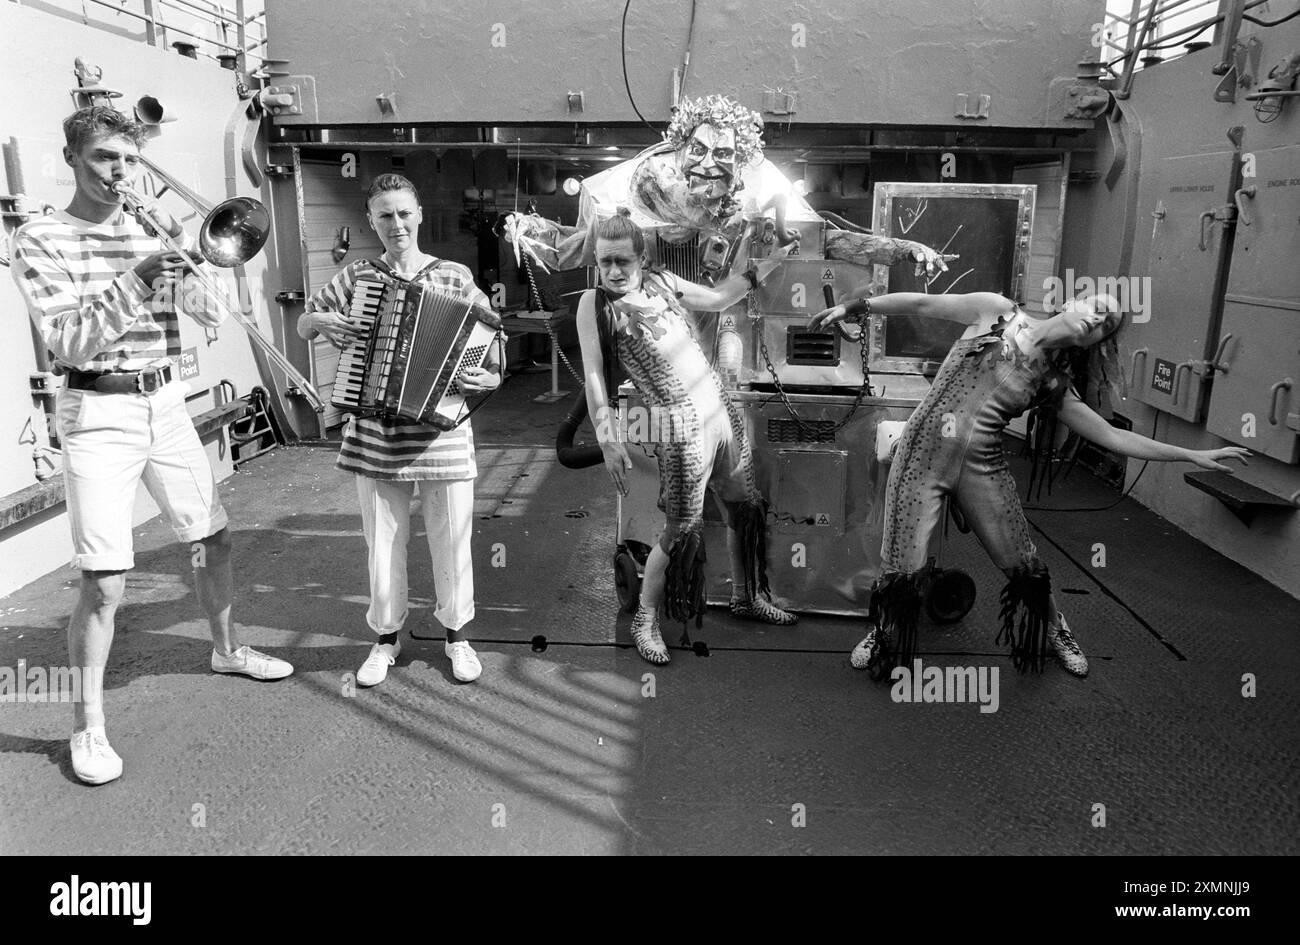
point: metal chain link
(550, 329)
(863, 391)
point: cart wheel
(950, 596)
(627, 582)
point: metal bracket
(41, 384)
(777, 102)
(964, 102)
(279, 170)
(291, 296)
(291, 100)
(1086, 101)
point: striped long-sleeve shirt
(398, 449)
(92, 310)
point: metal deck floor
(559, 750)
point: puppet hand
(928, 261)
(617, 464)
(1209, 459)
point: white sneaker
(464, 661)
(246, 661)
(93, 758)
(375, 669)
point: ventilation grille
(681, 259)
(812, 347)
(785, 430)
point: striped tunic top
(92, 310)
(399, 449)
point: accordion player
(414, 345)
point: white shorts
(113, 441)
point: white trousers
(448, 507)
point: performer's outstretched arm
(731, 290)
(1080, 418)
(966, 308)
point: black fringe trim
(684, 580)
(750, 523)
(1029, 591)
(895, 612)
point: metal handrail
(216, 13)
(1144, 34)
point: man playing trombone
(105, 294)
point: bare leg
(90, 637)
(652, 585)
(645, 625)
(737, 556)
(214, 586)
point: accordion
(415, 344)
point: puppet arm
(552, 245)
(866, 249)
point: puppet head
(715, 139)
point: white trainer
(93, 758)
(464, 661)
(375, 669)
(247, 661)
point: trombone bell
(234, 232)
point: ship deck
(770, 743)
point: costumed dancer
(389, 457)
(105, 293)
(635, 318)
(1005, 364)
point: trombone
(233, 232)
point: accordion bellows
(415, 345)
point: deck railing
(233, 32)
(1137, 35)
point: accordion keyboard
(350, 381)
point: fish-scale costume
(701, 442)
(952, 448)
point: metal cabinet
(1169, 350)
(1256, 400)
(785, 301)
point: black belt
(120, 382)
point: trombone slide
(140, 207)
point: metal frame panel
(883, 215)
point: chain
(550, 329)
(804, 427)
(560, 351)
